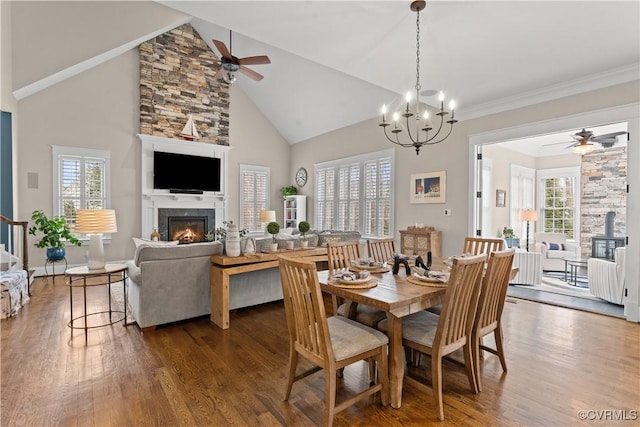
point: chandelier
(420, 124)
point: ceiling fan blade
(254, 60)
(557, 143)
(218, 75)
(250, 73)
(222, 48)
(606, 136)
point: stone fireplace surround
(154, 200)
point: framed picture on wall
(428, 187)
(501, 198)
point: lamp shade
(529, 215)
(96, 221)
(267, 216)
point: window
(82, 180)
(522, 196)
(254, 190)
(355, 194)
(559, 204)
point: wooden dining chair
(381, 250)
(493, 295)
(481, 245)
(340, 255)
(329, 343)
(439, 336)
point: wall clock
(301, 177)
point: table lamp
(96, 222)
(528, 215)
(266, 217)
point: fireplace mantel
(153, 199)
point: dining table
(398, 297)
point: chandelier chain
(417, 54)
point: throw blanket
(14, 291)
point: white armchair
(553, 259)
(606, 278)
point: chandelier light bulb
(441, 96)
(384, 109)
(425, 115)
(407, 97)
(452, 105)
(396, 116)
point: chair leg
(330, 398)
(293, 364)
(372, 371)
(475, 355)
(436, 378)
(497, 333)
(469, 364)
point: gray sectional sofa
(168, 283)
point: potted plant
(55, 234)
(509, 236)
(273, 228)
(288, 191)
(304, 227)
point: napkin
(349, 275)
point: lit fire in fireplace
(187, 230)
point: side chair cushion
(419, 327)
(349, 338)
(365, 314)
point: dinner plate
(354, 281)
(429, 279)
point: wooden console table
(223, 267)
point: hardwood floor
(560, 362)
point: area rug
(581, 281)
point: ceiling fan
(231, 64)
(585, 141)
(586, 138)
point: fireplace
(185, 225)
(187, 229)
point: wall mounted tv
(184, 173)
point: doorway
(619, 114)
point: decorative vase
(273, 247)
(232, 244)
(304, 244)
(55, 254)
(248, 246)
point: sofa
(554, 248)
(606, 278)
(170, 282)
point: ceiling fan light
(582, 149)
(230, 76)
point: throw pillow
(152, 243)
(554, 246)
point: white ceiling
(334, 63)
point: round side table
(78, 278)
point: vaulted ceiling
(335, 63)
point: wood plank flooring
(560, 362)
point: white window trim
(59, 150)
(362, 159)
(253, 168)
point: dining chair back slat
(493, 295)
(329, 343)
(340, 254)
(381, 250)
(479, 245)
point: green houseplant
(289, 190)
(273, 228)
(55, 234)
(510, 237)
(304, 227)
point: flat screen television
(184, 173)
